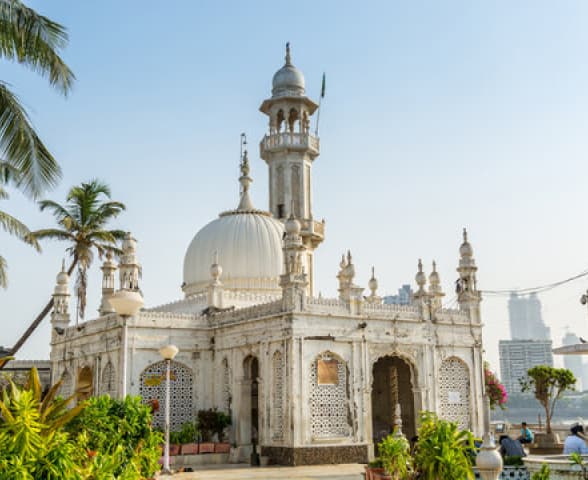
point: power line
(538, 289)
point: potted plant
(188, 437)
(375, 467)
(221, 422)
(206, 425)
(443, 451)
(548, 385)
(174, 443)
(234, 453)
(394, 453)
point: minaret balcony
(313, 230)
(289, 141)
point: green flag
(323, 87)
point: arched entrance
(249, 417)
(85, 384)
(392, 383)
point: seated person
(510, 447)
(526, 434)
(575, 442)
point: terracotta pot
(373, 473)
(222, 447)
(189, 449)
(207, 447)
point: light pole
(126, 303)
(168, 353)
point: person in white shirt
(575, 442)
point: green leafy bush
(442, 451)
(117, 435)
(33, 443)
(395, 456)
(542, 474)
(212, 421)
(513, 461)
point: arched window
(85, 384)
(329, 406)
(108, 381)
(277, 407)
(66, 384)
(152, 387)
(454, 392)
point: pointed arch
(152, 390)
(454, 392)
(108, 380)
(329, 396)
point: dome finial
(465, 235)
(288, 59)
(245, 180)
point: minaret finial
(63, 265)
(288, 59)
(465, 235)
(245, 180)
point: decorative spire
(60, 314)
(108, 268)
(373, 286)
(215, 269)
(288, 58)
(245, 180)
(420, 277)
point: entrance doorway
(393, 383)
(251, 400)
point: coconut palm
(81, 223)
(34, 41)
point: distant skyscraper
(574, 362)
(518, 356)
(526, 320)
(404, 296)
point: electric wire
(538, 289)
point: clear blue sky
(437, 115)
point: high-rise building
(526, 319)
(574, 362)
(518, 356)
(404, 296)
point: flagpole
(318, 113)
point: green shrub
(212, 421)
(542, 474)
(442, 451)
(117, 434)
(395, 456)
(34, 445)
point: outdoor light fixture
(168, 353)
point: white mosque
(309, 379)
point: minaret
(289, 149)
(129, 267)
(373, 286)
(468, 295)
(60, 314)
(294, 280)
(108, 268)
(421, 280)
(435, 290)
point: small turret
(129, 267)
(60, 315)
(215, 288)
(108, 268)
(373, 286)
(435, 290)
(294, 281)
(421, 280)
(468, 295)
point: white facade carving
(454, 390)
(251, 332)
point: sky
(437, 115)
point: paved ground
(245, 472)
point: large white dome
(249, 248)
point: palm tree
(82, 221)
(34, 41)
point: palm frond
(51, 234)
(3, 274)
(23, 148)
(8, 173)
(15, 227)
(34, 40)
